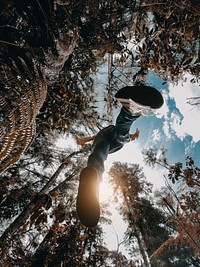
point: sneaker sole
(87, 204)
(144, 95)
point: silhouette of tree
(182, 205)
(146, 222)
(38, 39)
(129, 179)
(49, 52)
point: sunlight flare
(105, 190)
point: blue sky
(179, 126)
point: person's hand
(80, 141)
(135, 135)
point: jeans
(110, 140)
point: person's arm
(83, 140)
(135, 135)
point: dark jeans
(111, 139)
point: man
(136, 101)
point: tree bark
(142, 247)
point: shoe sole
(144, 95)
(87, 204)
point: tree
(165, 34)
(39, 39)
(41, 211)
(34, 212)
(129, 179)
(147, 223)
(182, 205)
(23, 91)
(49, 53)
(45, 37)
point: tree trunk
(109, 88)
(142, 247)
(138, 234)
(8, 234)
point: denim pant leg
(111, 140)
(123, 124)
(99, 155)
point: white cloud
(166, 129)
(164, 110)
(156, 135)
(187, 123)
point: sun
(105, 190)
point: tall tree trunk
(142, 247)
(8, 234)
(137, 232)
(109, 88)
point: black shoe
(143, 95)
(87, 204)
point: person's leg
(99, 155)
(110, 136)
(124, 121)
(87, 200)
(121, 131)
(88, 208)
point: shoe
(87, 204)
(140, 98)
(135, 108)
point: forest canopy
(50, 51)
